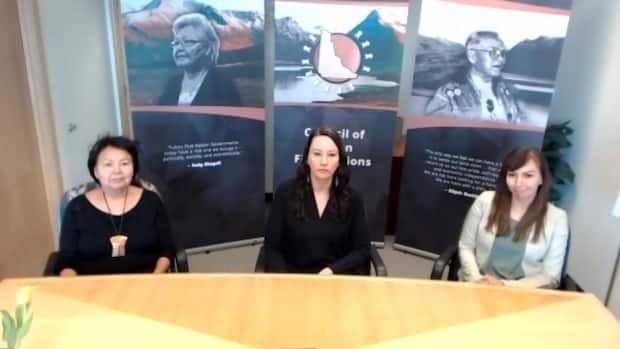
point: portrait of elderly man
(480, 93)
(195, 50)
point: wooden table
(297, 311)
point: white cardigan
(543, 260)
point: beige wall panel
(25, 234)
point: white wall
(587, 93)
(76, 50)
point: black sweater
(292, 245)
(85, 237)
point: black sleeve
(359, 239)
(162, 226)
(231, 95)
(69, 237)
(170, 94)
(274, 260)
(227, 92)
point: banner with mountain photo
(196, 83)
(337, 65)
(482, 86)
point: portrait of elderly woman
(195, 51)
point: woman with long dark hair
(317, 222)
(513, 236)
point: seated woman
(117, 227)
(513, 236)
(317, 222)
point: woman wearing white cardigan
(513, 236)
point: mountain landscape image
(380, 37)
(147, 35)
(533, 64)
(438, 60)
(386, 41)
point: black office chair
(179, 262)
(450, 258)
(375, 260)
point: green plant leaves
(20, 314)
(556, 139)
(563, 173)
(554, 195)
(9, 331)
(23, 330)
(14, 330)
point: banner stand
(342, 72)
(378, 244)
(415, 251)
(197, 111)
(224, 246)
(481, 88)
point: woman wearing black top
(117, 227)
(317, 222)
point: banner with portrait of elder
(484, 79)
(196, 85)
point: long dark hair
(339, 193)
(535, 214)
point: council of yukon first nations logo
(337, 59)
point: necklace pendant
(118, 243)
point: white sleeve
(553, 260)
(470, 270)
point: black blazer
(216, 89)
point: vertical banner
(338, 65)
(196, 81)
(484, 77)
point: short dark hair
(119, 142)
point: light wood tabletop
(299, 311)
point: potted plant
(14, 329)
(555, 141)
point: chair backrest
(455, 265)
(566, 281)
(565, 264)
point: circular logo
(337, 58)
